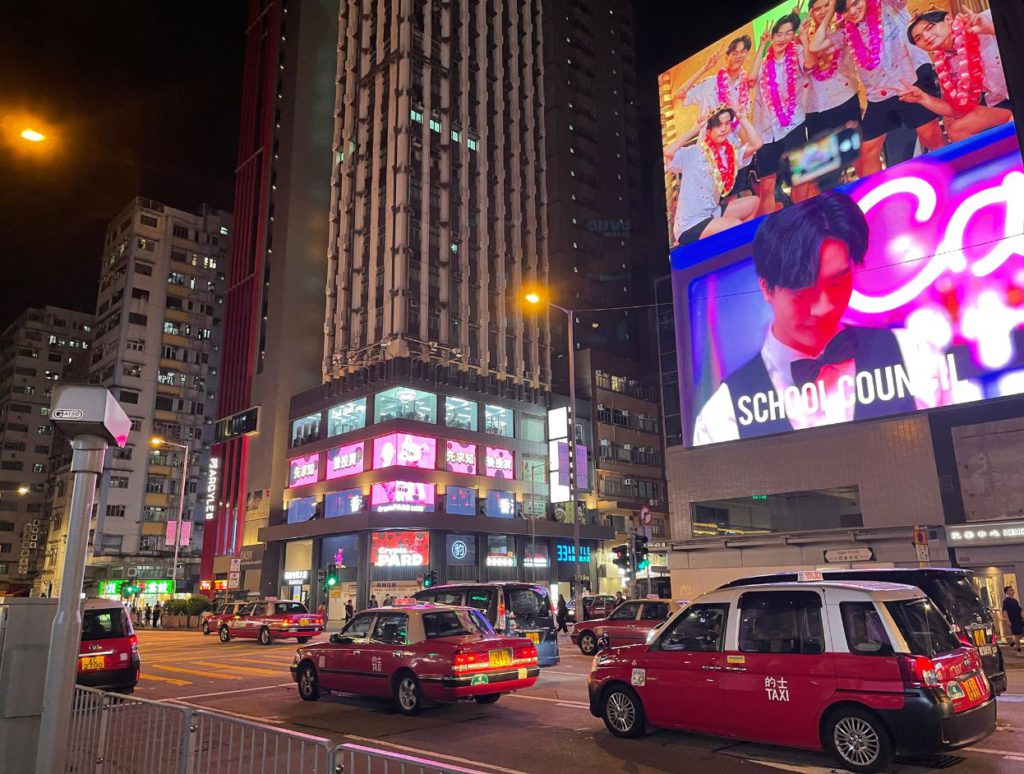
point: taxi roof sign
(810, 576)
(403, 601)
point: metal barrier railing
(115, 734)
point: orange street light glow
(32, 135)
(533, 298)
(157, 441)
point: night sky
(142, 97)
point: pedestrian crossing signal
(332, 577)
(429, 578)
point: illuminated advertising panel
(399, 549)
(460, 457)
(409, 496)
(501, 505)
(893, 294)
(460, 500)
(498, 462)
(345, 461)
(304, 470)
(406, 450)
(501, 551)
(793, 104)
(344, 503)
(460, 549)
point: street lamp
(534, 298)
(157, 443)
(31, 135)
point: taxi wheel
(225, 635)
(206, 628)
(858, 740)
(408, 695)
(302, 640)
(622, 712)
(309, 684)
(264, 636)
(489, 698)
(588, 644)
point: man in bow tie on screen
(813, 370)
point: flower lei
(963, 90)
(770, 85)
(826, 68)
(725, 95)
(870, 56)
(722, 161)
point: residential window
(132, 369)
(115, 511)
(148, 220)
(137, 345)
(176, 278)
(127, 396)
(455, 136)
(416, 115)
(5, 548)
(435, 125)
(119, 482)
(180, 231)
(39, 467)
(471, 144)
(6, 526)
(146, 269)
(137, 319)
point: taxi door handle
(735, 669)
(356, 652)
(711, 668)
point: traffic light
(640, 551)
(620, 556)
(332, 577)
(429, 578)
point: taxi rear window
(103, 625)
(289, 607)
(927, 633)
(449, 623)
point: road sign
(923, 555)
(920, 536)
(236, 564)
(849, 555)
(645, 516)
(234, 580)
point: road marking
(990, 751)
(550, 671)
(246, 670)
(240, 690)
(1011, 697)
(197, 672)
(218, 711)
(420, 751)
(796, 768)
(159, 679)
(563, 702)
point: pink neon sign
(304, 470)
(499, 463)
(460, 457)
(345, 461)
(406, 450)
(402, 496)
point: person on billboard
(832, 100)
(812, 369)
(708, 171)
(888, 65)
(780, 109)
(972, 83)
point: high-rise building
(35, 353)
(157, 344)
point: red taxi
(212, 619)
(864, 670)
(417, 654)
(270, 620)
(108, 654)
(628, 624)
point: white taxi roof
(879, 590)
(102, 604)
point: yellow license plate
(971, 687)
(534, 637)
(303, 622)
(92, 663)
(499, 658)
(979, 636)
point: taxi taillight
(525, 655)
(468, 661)
(134, 640)
(501, 610)
(919, 671)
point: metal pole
(181, 510)
(572, 452)
(58, 691)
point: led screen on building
(406, 450)
(460, 457)
(304, 470)
(409, 496)
(460, 500)
(900, 292)
(345, 460)
(344, 503)
(399, 549)
(501, 505)
(498, 462)
(787, 106)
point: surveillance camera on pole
(91, 419)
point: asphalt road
(546, 729)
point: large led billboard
(460, 457)
(792, 104)
(345, 460)
(304, 470)
(409, 496)
(399, 549)
(499, 462)
(897, 293)
(404, 449)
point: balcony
(159, 500)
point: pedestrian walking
(373, 601)
(349, 610)
(148, 614)
(1013, 618)
(562, 614)
(157, 613)
(619, 599)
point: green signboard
(112, 588)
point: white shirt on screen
(704, 95)
(699, 196)
(717, 421)
(834, 91)
(994, 83)
(767, 120)
(898, 58)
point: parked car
(270, 620)
(628, 624)
(517, 609)
(212, 619)
(951, 590)
(594, 606)
(417, 654)
(108, 654)
(864, 670)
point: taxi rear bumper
(481, 684)
(926, 725)
(110, 678)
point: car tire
(302, 640)
(206, 629)
(588, 643)
(224, 634)
(489, 698)
(623, 713)
(265, 636)
(408, 694)
(308, 683)
(858, 740)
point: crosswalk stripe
(159, 679)
(247, 670)
(197, 672)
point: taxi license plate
(534, 637)
(92, 663)
(303, 622)
(499, 658)
(971, 687)
(979, 636)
